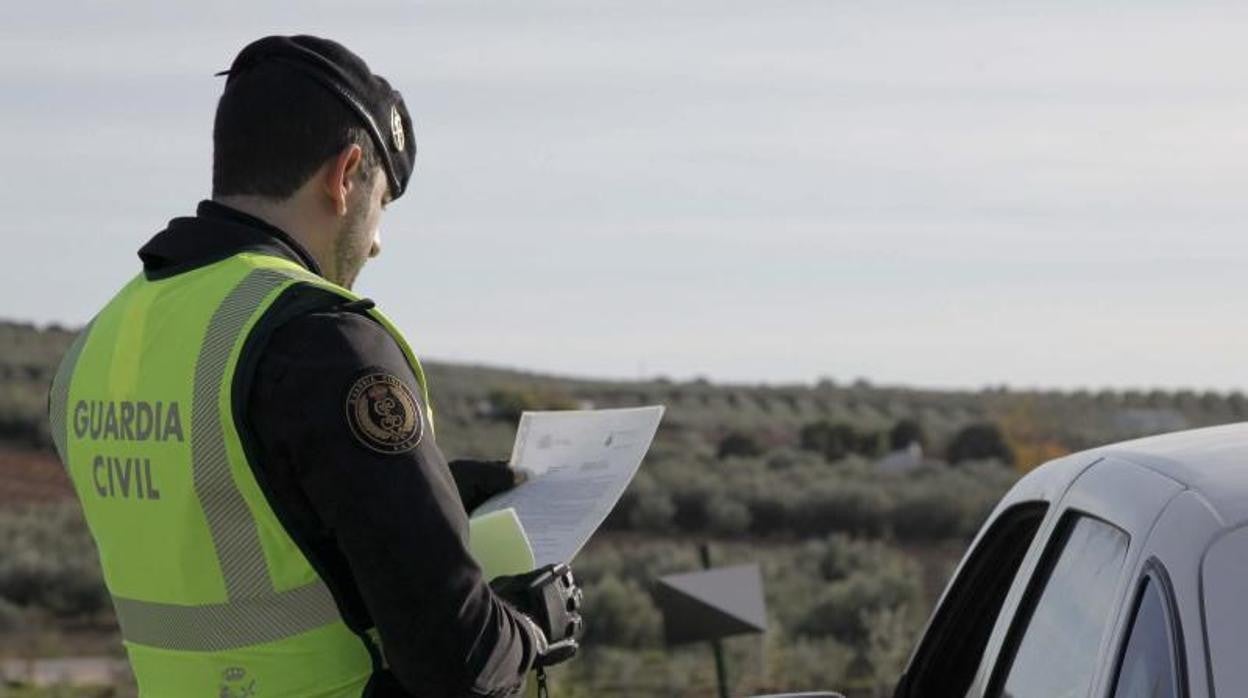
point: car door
(1164, 631)
(1223, 571)
(1054, 635)
(952, 646)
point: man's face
(359, 236)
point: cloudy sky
(958, 195)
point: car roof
(1212, 462)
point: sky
(942, 195)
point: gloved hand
(478, 480)
(550, 597)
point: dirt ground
(31, 477)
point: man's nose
(375, 249)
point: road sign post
(710, 605)
(717, 645)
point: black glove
(478, 480)
(550, 597)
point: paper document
(579, 462)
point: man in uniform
(253, 444)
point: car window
(1147, 669)
(950, 651)
(1057, 641)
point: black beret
(379, 107)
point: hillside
(857, 501)
(471, 400)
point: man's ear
(339, 178)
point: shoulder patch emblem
(383, 414)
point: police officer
(254, 446)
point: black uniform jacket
(386, 530)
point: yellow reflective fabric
(213, 596)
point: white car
(1116, 572)
(1120, 572)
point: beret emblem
(396, 128)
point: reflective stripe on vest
(250, 623)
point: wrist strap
(543, 691)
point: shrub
(507, 404)
(904, 433)
(10, 616)
(50, 561)
(842, 505)
(653, 512)
(727, 516)
(843, 556)
(691, 492)
(738, 444)
(619, 613)
(640, 564)
(838, 440)
(982, 441)
(785, 458)
(808, 664)
(806, 497)
(929, 513)
(844, 608)
(832, 441)
(891, 633)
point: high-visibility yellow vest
(213, 596)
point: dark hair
(274, 128)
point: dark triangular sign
(704, 606)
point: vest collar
(214, 233)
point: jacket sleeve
(330, 398)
